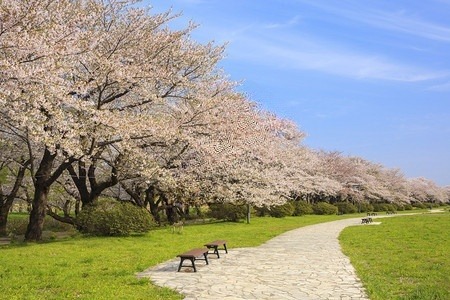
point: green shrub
(390, 207)
(407, 206)
(280, 211)
(365, 207)
(324, 208)
(302, 208)
(16, 226)
(262, 211)
(419, 205)
(346, 208)
(384, 207)
(113, 218)
(403, 206)
(55, 225)
(227, 211)
(378, 207)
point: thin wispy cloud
(399, 21)
(359, 76)
(291, 22)
(291, 52)
(283, 45)
(444, 87)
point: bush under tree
(227, 211)
(113, 218)
(365, 207)
(324, 208)
(302, 208)
(346, 208)
(280, 211)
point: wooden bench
(371, 213)
(366, 220)
(193, 255)
(215, 245)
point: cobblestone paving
(306, 263)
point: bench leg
(206, 257)
(215, 251)
(193, 264)
(181, 264)
(192, 261)
(225, 247)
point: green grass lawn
(104, 268)
(403, 258)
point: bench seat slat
(192, 256)
(215, 246)
(194, 253)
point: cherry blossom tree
(232, 154)
(92, 83)
(425, 190)
(98, 88)
(361, 180)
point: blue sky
(367, 78)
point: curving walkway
(305, 263)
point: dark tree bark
(86, 182)
(173, 211)
(153, 198)
(44, 178)
(149, 199)
(41, 190)
(135, 194)
(64, 219)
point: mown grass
(403, 258)
(105, 268)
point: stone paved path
(305, 263)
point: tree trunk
(90, 193)
(6, 201)
(43, 180)
(170, 210)
(41, 190)
(186, 211)
(171, 214)
(37, 215)
(4, 211)
(80, 181)
(153, 199)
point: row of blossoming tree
(103, 98)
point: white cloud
(293, 52)
(444, 87)
(398, 21)
(291, 22)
